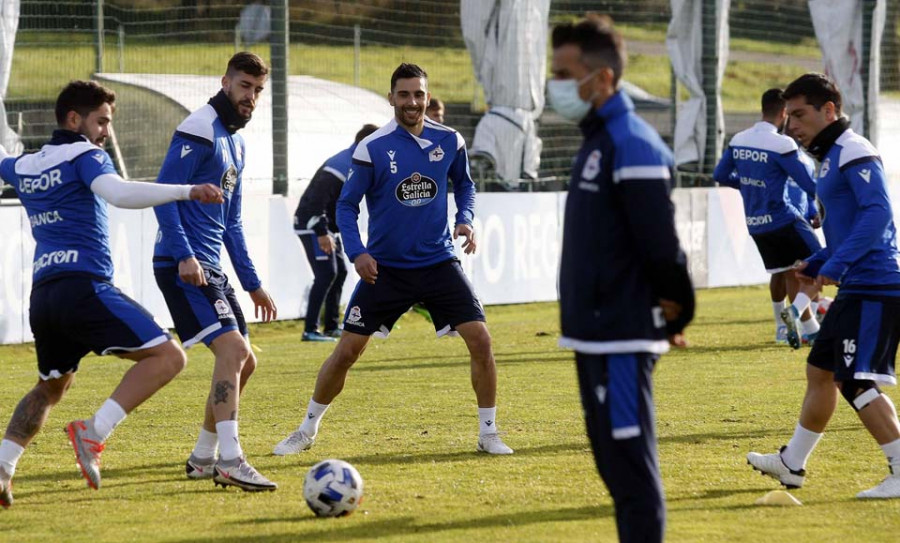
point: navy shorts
(75, 314)
(858, 339)
(200, 313)
(781, 248)
(443, 289)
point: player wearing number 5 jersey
(402, 170)
(856, 347)
(75, 308)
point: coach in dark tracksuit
(625, 292)
(314, 223)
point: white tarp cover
(838, 26)
(9, 24)
(684, 41)
(507, 40)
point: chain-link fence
(359, 43)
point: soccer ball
(333, 488)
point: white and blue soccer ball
(333, 488)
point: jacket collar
(62, 136)
(226, 112)
(617, 105)
(823, 141)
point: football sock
(777, 307)
(107, 418)
(800, 302)
(314, 413)
(207, 444)
(799, 448)
(10, 452)
(809, 326)
(229, 444)
(892, 452)
(487, 420)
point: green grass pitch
(407, 421)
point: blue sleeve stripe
(861, 160)
(641, 172)
(193, 137)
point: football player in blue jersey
(315, 224)
(856, 347)
(75, 309)
(625, 294)
(207, 148)
(403, 170)
(758, 162)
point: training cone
(778, 497)
(255, 348)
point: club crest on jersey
(416, 190)
(592, 165)
(229, 179)
(823, 170)
(436, 155)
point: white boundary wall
(518, 251)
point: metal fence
(360, 43)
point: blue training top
(68, 221)
(758, 162)
(204, 151)
(857, 219)
(404, 179)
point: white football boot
(296, 442)
(492, 444)
(773, 466)
(887, 489)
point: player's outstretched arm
(137, 195)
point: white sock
(800, 447)
(800, 302)
(207, 444)
(107, 418)
(892, 452)
(314, 413)
(229, 444)
(10, 452)
(777, 307)
(487, 420)
(810, 326)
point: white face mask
(564, 97)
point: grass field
(407, 421)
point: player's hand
(191, 273)
(798, 268)
(264, 305)
(822, 280)
(467, 232)
(326, 243)
(207, 194)
(366, 267)
(678, 341)
(671, 310)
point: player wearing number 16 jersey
(856, 347)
